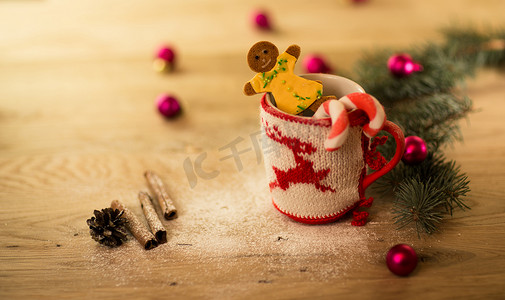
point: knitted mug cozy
(310, 184)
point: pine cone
(108, 227)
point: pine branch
(434, 118)
(431, 166)
(423, 192)
(417, 203)
(427, 104)
(476, 48)
(453, 184)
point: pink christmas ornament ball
(168, 105)
(415, 150)
(165, 59)
(402, 65)
(316, 64)
(401, 260)
(261, 20)
(166, 53)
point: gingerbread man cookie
(292, 94)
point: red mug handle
(397, 134)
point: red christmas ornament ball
(168, 105)
(261, 20)
(415, 150)
(316, 64)
(401, 260)
(402, 65)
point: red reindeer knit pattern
(303, 172)
(308, 183)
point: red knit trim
(318, 220)
(359, 218)
(397, 134)
(366, 202)
(356, 117)
(373, 157)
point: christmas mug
(308, 183)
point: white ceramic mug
(308, 183)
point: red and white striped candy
(339, 123)
(337, 111)
(371, 107)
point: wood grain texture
(78, 128)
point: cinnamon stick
(166, 203)
(139, 231)
(154, 222)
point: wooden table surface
(78, 127)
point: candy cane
(339, 123)
(371, 107)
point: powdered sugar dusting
(236, 234)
